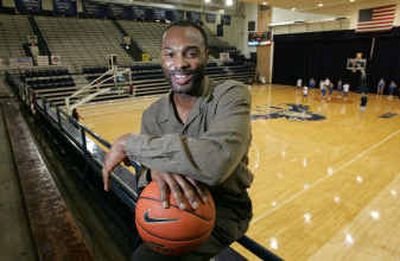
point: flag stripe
(379, 19)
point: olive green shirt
(210, 147)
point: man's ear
(206, 53)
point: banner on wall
(116, 11)
(93, 9)
(159, 14)
(65, 7)
(193, 16)
(138, 12)
(29, 6)
(226, 19)
(174, 15)
(211, 18)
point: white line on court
(318, 181)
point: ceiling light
(352, 1)
(264, 3)
(207, 1)
(228, 2)
(320, 4)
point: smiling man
(197, 136)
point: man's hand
(114, 157)
(180, 187)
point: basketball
(172, 231)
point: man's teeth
(180, 76)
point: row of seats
(48, 80)
(45, 73)
(14, 30)
(51, 84)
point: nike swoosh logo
(149, 219)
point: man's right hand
(115, 156)
(181, 187)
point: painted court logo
(290, 111)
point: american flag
(376, 19)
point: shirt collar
(168, 109)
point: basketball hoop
(356, 64)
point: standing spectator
(346, 89)
(339, 85)
(381, 87)
(299, 83)
(322, 87)
(364, 90)
(311, 83)
(392, 88)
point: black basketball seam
(175, 206)
(174, 240)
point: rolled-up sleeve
(210, 157)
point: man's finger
(105, 179)
(188, 190)
(200, 188)
(162, 186)
(175, 190)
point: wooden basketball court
(327, 175)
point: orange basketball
(172, 231)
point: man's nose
(180, 62)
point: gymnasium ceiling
(330, 7)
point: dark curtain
(386, 62)
(325, 54)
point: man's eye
(168, 54)
(192, 54)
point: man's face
(184, 57)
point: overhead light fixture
(264, 3)
(207, 1)
(229, 2)
(320, 4)
(352, 1)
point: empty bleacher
(82, 42)
(146, 34)
(14, 31)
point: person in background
(340, 85)
(392, 88)
(312, 83)
(364, 90)
(381, 87)
(346, 89)
(299, 83)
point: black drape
(325, 54)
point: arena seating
(82, 42)
(14, 30)
(146, 34)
